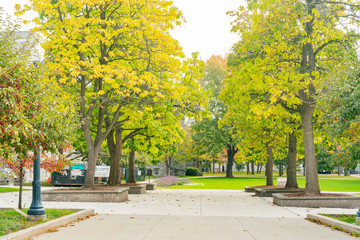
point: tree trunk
(269, 166)
(312, 181)
(304, 173)
(167, 163)
(280, 170)
(131, 171)
(261, 166)
(291, 181)
(21, 180)
(94, 145)
(121, 173)
(339, 170)
(307, 107)
(252, 167)
(230, 157)
(197, 164)
(115, 149)
(90, 171)
(213, 170)
(93, 153)
(247, 168)
(258, 168)
(112, 151)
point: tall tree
(109, 54)
(208, 133)
(155, 124)
(287, 46)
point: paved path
(190, 214)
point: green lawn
(12, 221)
(343, 217)
(275, 174)
(8, 189)
(346, 184)
(42, 184)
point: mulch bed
(283, 188)
(129, 184)
(317, 195)
(99, 188)
(276, 188)
(268, 187)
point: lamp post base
(36, 209)
(357, 218)
(36, 218)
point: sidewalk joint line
(237, 219)
(152, 228)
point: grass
(276, 175)
(345, 184)
(11, 221)
(8, 189)
(343, 217)
(42, 184)
(220, 183)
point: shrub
(192, 171)
(183, 181)
(166, 181)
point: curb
(348, 227)
(44, 227)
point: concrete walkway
(190, 214)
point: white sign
(102, 171)
(75, 172)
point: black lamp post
(36, 210)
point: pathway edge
(45, 227)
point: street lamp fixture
(36, 210)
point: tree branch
(324, 45)
(342, 3)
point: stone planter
(349, 201)
(137, 189)
(250, 189)
(116, 195)
(151, 186)
(264, 192)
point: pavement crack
(152, 228)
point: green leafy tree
(111, 55)
(286, 47)
(35, 114)
(207, 133)
(344, 159)
(324, 159)
(159, 124)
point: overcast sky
(207, 27)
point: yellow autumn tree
(286, 48)
(110, 54)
